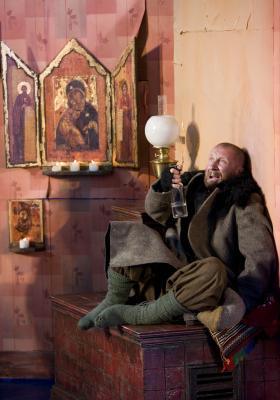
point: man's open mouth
(214, 175)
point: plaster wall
(226, 79)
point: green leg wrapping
(119, 287)
(163, 309)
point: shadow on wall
(148, 92)
(192, 141)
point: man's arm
(158, 199)
(158, 204)
(256, 244)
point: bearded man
(223, 265)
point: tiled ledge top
(78, 305)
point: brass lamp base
(161, 160)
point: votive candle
(93, 166)
(56, 167)
(24, 243)
(75, 166)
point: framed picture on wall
(124, 110)
(84, 113)
(26, 222)
(75, 107)
(21, 111)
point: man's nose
(214, 164)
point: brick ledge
(77, 305)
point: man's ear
(240, 170)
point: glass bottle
(178, 202)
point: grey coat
(241, 237)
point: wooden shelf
(103, 170)
(28, 250)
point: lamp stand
(161, 160)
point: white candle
(24, 243)
(56, 167)
(75, 166)
(93, 166)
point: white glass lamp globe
(161, 130)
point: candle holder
(93, 166)
(74, 166)
(32, 248)
(24, 243)
(97, 170)
(57, 167)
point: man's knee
(136, 273)
(121, 270)
(214, 268)
(200, 285)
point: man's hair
(242, 154)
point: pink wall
(77, 210)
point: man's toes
(109, 317)
(85, 323)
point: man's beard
(212, 179)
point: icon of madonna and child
(77, 128)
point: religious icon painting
(76, 108)
(21, 111)
(26, 222)
(124, 110)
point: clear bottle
(178, 202)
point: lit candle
(24, 243)
(56, 167)
(93, 166)
(75, 166)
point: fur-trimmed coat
(232, 224)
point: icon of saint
(124, 128)
(24, 126)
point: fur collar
(235, 191)
(238, 190)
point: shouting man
(222, 265)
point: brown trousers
(197, 286)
